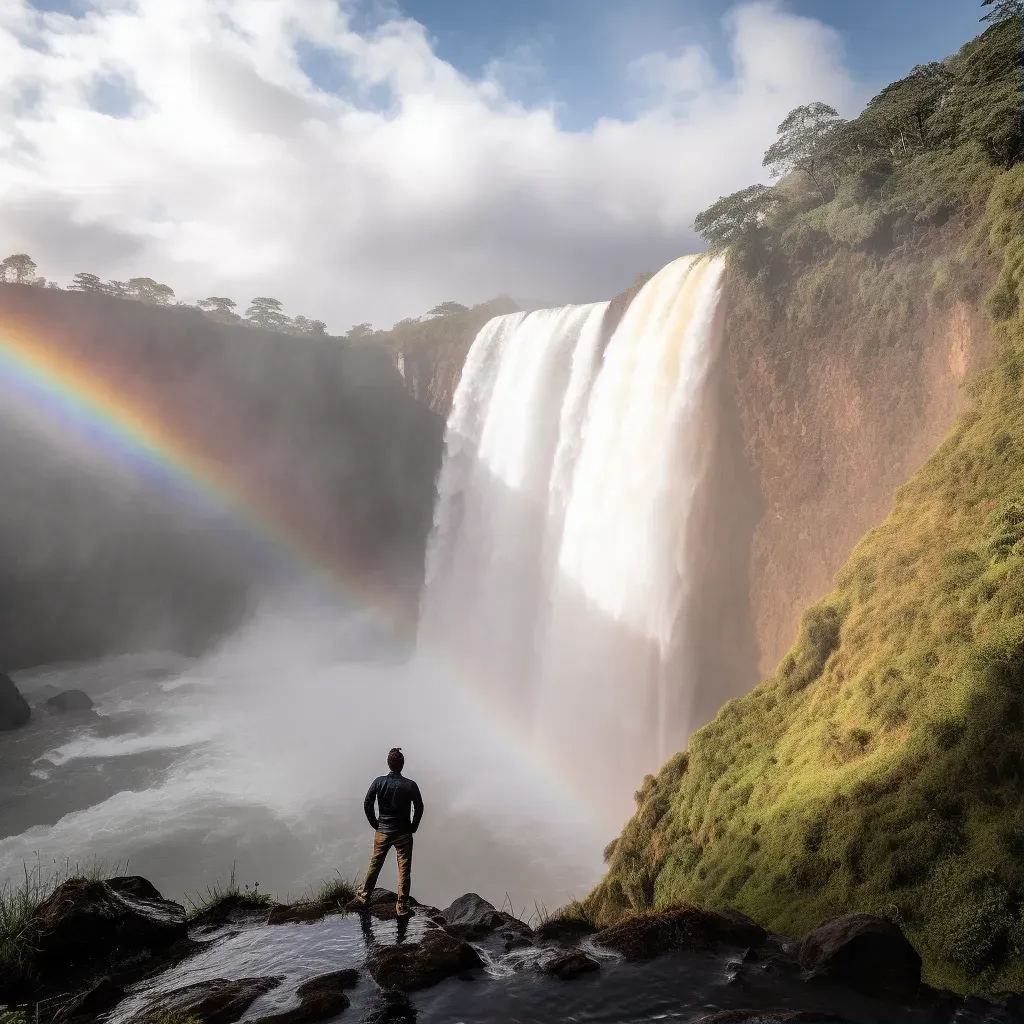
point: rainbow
(51, 391)
(47, 388)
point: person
(395, 796)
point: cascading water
(557, 570)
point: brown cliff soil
(840, 407)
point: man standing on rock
(395, 796)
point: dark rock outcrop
(415, 965)
(865, 952)
(101, 998)
(212, 1002)
(319, 999)
(135, 885)
(570, 964)
(564, 929)
(472, 917)
(70, 700)
(682, 928)
(85, 922)
(14, 709)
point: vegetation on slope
(882, 767)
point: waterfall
(557, 568)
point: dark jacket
(395, 796)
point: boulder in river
(472, 917)
(212, 1002)
(320, 998)
(14, 709)
(70, 700)
(414, 965)
(569, 964)
(87, 922)
(682, 928)
(865, 952)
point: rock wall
(829, 439)
(325, 455)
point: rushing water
(557, 571)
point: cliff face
(312, 449)
(830, 428)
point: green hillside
(882, 767)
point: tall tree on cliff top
(1003, 10)
(301, 325)
(804, 143)
(84, 282)
(899, 116)
(19, 268)
(736, 219)
(447, 309)
(266, 312)
(359, 332)
(221, 308)
(145, 289)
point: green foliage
(19, 900)
(1003, 9)
(881, 768)
(336, 892)
(19, 268)
(447, 309)
(218, 901)
(926, 148)
(805, 143)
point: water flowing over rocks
(14, 709)
(319, 999)
(438, 955)
(686, 963)
(217, 1001)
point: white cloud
(231, 172)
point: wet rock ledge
(105, 948)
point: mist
(257, 756)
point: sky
(363, 160)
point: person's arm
(371, 796)
(417, 807)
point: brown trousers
(382, 842)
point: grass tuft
(216, 904)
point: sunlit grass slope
(881, 768)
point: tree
(899, 115)
(266, 312)
(303, 326)
(19, 268)
(1002, 10)
(220, 308)
(117, 289)
(803, 143)
(447, 309)
(145, 289)
(733, 219)
(86, 283)
(359, 332)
